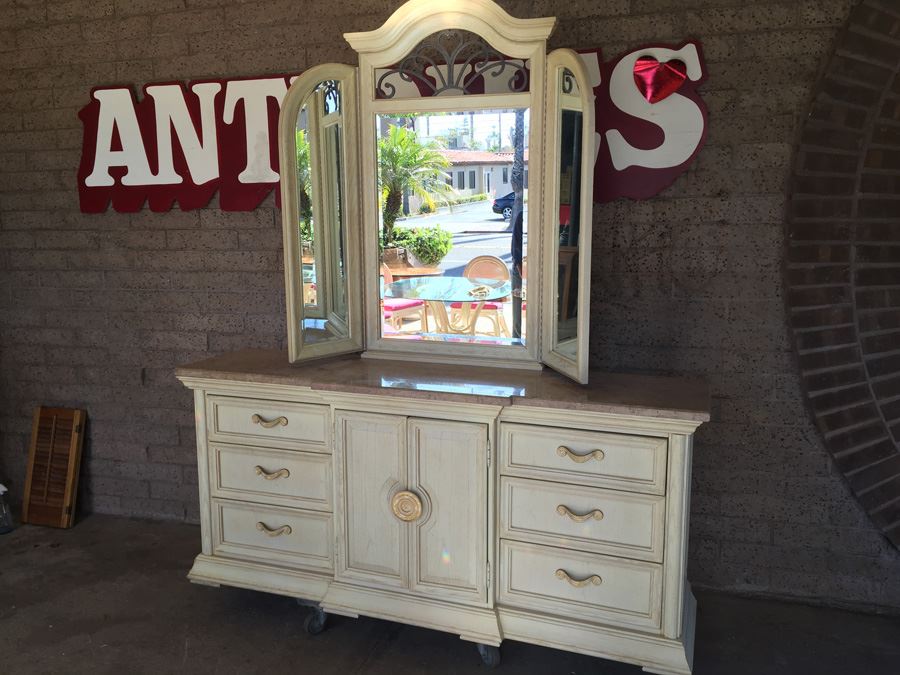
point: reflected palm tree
(406, 165)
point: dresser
(494, 504)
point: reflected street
(476, 231)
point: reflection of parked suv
(504, 204)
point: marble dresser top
(622, 394)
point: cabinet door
(448, 547)
(372, 466)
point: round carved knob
(406, 505)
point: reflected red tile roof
(460, 157)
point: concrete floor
(110, 596)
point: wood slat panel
(54, 458)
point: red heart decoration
(656, 80)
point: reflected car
(503, 205)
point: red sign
(650, 119)
(182, 143)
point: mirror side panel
(569, 156)
(320, 216)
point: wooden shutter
(53, 461)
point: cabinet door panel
(372, 459)
(448, 470)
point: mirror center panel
(453, 225)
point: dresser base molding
(655, 653)
(214, 571)
(474, 624)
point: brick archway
(842, 272)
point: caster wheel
(315, 622)
(490, 655)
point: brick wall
(97, 310)
(843, 275)
(692, 282)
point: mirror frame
(577, 368)
(300, 90)
(404, 29)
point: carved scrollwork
(453, 61)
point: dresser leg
(490, 655)
(315, 621)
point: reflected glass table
(436, 291)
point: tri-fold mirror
(436, 200)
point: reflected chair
(486, 267)
(397, 309)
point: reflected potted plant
(427, 246)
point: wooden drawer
(289, 537)
(619, 461)
(590, 519)
(277, 423)
(299, 479)
(587, 586)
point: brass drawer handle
(281, 473)
(277, 532)
(268, 424)
(579, 583)
(406, 506)
(563, 451)
(596, 514)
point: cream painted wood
(442, 553)
(203, 472)
(291, 537)
(418, 19)
(516, 38)
(371, 455)
(678, 507)
(280, 477)
(559, 581)
(477, 624)
(569, 357)
(589, 519)
(634, 423)
(571, 633)
(448, 469)
(364, 561)
(624, 462)
(293, 101)
(260, 576)
(275, 424)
